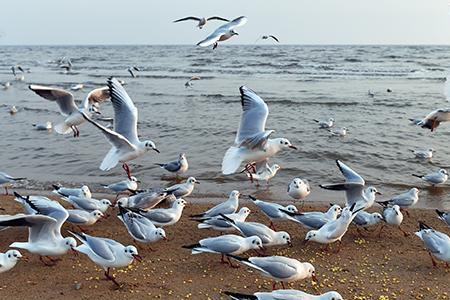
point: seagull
(18, 67)
(77, 87)
(333, 231)
(68, 108)
(125, 142)
(354, 187)
(222, 33)
(436, 117)
(178, 166)
(423, 154)
(166, 216)
(133, 69)
(13, 110)
(140, 228)
(266, 37)
(370, 94)
(364, 219)
(435, 178)
(226, 244)
(129, 184)
(325, 124)
(338, 131)
(9, 259)
(227, 207)
(189, 83)
(6, 85)
(252, 143)
(436, 243)
(299, 188)
(84, 191)
(45, 126)
(392, 216)
(6, 179)
(268, 236)
(264, 173)
(106, 253)
(66, 64)
(82, 217)
(143, 201)
(315, 219)
(404, 200)
(274, 210)
(88, 204)
(444, 216)
(279, 268)
(44, 237)
(220, 224)
(182, 190)
(284, 295)
(201, 21)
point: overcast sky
(293, 21)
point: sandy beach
(367, 267)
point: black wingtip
(56, 187)
(415, 175)
(18, 195)
(440, 213)
(191, 246)
(197, 216)
(227, 219)
(423, 226)
(240, 296)
(253, 198)
(238, 258)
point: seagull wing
(63, 98)
(350, 175)
(217, 18)
(275, 38)
(216, 34)
(96, 96)
(125, 112)
(187, 18)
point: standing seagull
(436, 242)
(124, 139)
(299, 188)
(6, 179)
(68, 108)
(222, 33)
(178, 166)
(106, 253)
(201, 21)
(252, 143)
(274, 211)
(354, 187)
(229, 206)
(182, 189)
(9, 259)
(127, 185)
(405, 200)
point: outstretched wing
(98, 95)
(63, 98)
(350, 175)
(218, 18)
(187, 18)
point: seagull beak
(290, 244)
(137, 257)
(197, 182)
(138, 181)
(156, 150)
(165, 238)
(378, 193)
(315, 278)
(98, 112)
(293, 147)
(75, 252)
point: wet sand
(367, 267)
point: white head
(244, 211)
(192, 180)
(122, 202)
(311, 270)
(311, 235)
(179, 203)
(430, 150)
(255, 242)
(234, 195)
(131, 252)
(291, 208)
(299, 182)
(414, 190)
(331, 296)
(275, 168)
(69, 243)
(182, 156)
(283, 143)
(86, 191)
(396, 209)
(443, 172)
(160, 234)
(232, 32)
(331, 120)
(376, 217)
(105, 202)
(149, 145)
(334, 211)
(132, 178)
(372, 191)
(284, 238)
(97, 214)
(13, 255)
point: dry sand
(391, 267)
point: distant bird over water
(222, 33)
(201, 21)
(266, 37)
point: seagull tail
(160, 165)
(415, 175)
(239, 296)
(423, 226)
(62, 128)
(191, 246)
(110, 160)
(231, 161)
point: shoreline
(398, 267)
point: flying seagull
(201, 21)
(222, 33)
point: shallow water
(299, 83)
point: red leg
(222, 260)
(274, 285)
(231, 264)
(432, 260)
(6, 190)
(282, 284)
(111, 277)
(127, 169)
(272, 226)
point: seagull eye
(9, 255)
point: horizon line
(249, 44)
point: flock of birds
(145, 218)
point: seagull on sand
(229, 206)
(201, 20)
(68, 108)
(124, 139)
(222, 33)
(9, 259)
(436, 242)
(284, 295)
(44, 235)
(106, 253)
(6, 179)
(252, 143)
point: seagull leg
(222, 260)
(432, 260)
(339, 247)
(6, 190)
(272, 226)
(282, 284)
(111, 277)
(231, 264)
(215, 45)
(48, 264)
(127, 169)
(274, 285)
(381, 229)
(404, 232)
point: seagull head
(160, 234)
(233, 32)
(149, 145)
(97, 214)
(106, 202)
(376, 217)
(234, 194)
(285, 143)
(192, 180)
(132, 252)
(443, 172)
(285, 237)
(256, 242)
(311, 235)
(69, 243)
(86, 191)
(311, 271)
(122, 202)
(94, 109)
(13, 255)
(291, 208)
